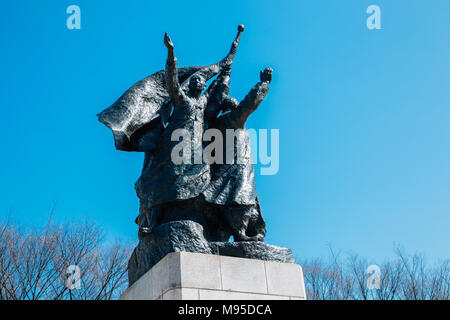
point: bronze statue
(193, 204)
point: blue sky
(363, 114)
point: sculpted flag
(145, 105)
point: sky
(363, 115)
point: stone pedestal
(189, 236)
(197, 276)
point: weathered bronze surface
(193, 206)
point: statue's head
(229, 104)
(197, 83)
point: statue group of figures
(221, 197)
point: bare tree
(406, 277)
(390, 282)
(34, 265)
(34, 262)
(327, 279)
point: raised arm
(228, 60)
(176, 93)
(220, 86)
(211, 70)
(254, 98)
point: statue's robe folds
(234, 184)
(164, 181)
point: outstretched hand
(167, 41)
(266, 75)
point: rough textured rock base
(188, 236)
(253, 250)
